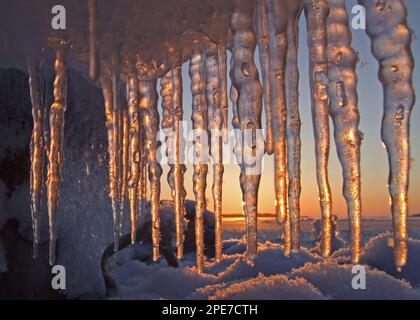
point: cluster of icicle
(133, 123)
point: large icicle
(179, 167)
(134, 149)
(263, 37)
(249, 104)
(344, 110)
(215, 127)
(148, 107)
(277, 22)
(391, 41)
(55, 154)
(316, 12)
(293, 121)
(197, 73)
(36, 149)
(93, 41)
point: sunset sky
(374, 159)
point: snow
(304, 275)
(379, 254)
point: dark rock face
(25, 278)
(84, 222)
(84, 214)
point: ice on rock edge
(333, 84)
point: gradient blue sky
(374, 159)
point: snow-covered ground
(304, 275)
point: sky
(374, 164)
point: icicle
(134, 149)
(124, 171)
(215, 127)
(293, 121)
(222, 67)
(148, 107)
(197, 73)
(391, 40)
(117, 119)
(245, 80)
(93, 41)
(342, 92)
(55, 155)
(112, 146)
(166, 92)
(263, 47)
(179, 168)
(277, 22)
(36, 150)
(141, 197)
(316, 12)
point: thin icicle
(166, 92)
(316, 12)
(197, 73)
(141, 197)
(277, 22)
(55, 154)
(391, 40)
(124, 168)
(215, 127)
(344, 110)
(222, 67)
(293, 121)
(249, 104)
(179, 168)
(263, 37)
(134, 149)
(117, 119)
(112, 148)
(148, 107)
(36, 150)
(93, 41)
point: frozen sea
(269, 229)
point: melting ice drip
(132, 127)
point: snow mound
(273, 276)
(379, 254)
(137, 280)
(262, 287)
(335, 282)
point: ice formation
(391, 40)
(37, 149)
(316, 12)
(293, 122)
(199, 119)
(136, 61)
(245, 79)
(342, 93)
(55, 152)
